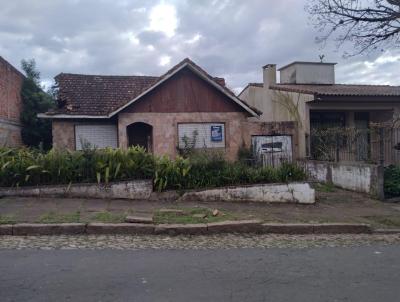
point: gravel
(226, 241)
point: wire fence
(378, 145)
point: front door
(140, 134)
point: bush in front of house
(207, 170)
(24, 167)
(392, 181)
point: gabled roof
(339, 89)
(95, 96)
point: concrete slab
(139, 219)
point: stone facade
(64, 134)
(10, 104)
(239, 129)
(165, 129)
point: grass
(386, 221)
(105, 216)
(52, 217)
(324, 187)
(7, 219)
(108, 217)
(187, 217)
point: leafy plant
(24, 167)
(35, 132)
(392, 181)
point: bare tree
(368, 24)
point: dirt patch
(333, 205)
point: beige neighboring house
(307, 94)
(10, 104)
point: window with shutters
(99, 136)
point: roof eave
(71, 116)
(200, 74)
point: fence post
(337, 146)
(380, 185)
(381, 147)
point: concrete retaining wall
(143, 190)
(293, 192)
(359, 177)
(137, 189)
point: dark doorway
(140, 134)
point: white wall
(306, 73)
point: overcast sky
(231, 39)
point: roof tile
(340, 89)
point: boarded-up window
(99, 136)
(272, 150)
(201, 135)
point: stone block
(139, 219)
(240, 226)
(287, 228)
(120, 228)
(341, 228)
(181, 229)
(27, 229)
(5, 229)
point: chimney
(269, 75)
(220, 81)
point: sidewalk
(337, 206)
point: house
(161, 114)
(10, 104)
(308, 95)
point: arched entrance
(140, 134)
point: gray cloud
(228, 38)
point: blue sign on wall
(216, 133)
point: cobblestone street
(227, 241)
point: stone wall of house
(64, 134)
(238, 130)
(10, 104)
(165, 129)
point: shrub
(21, 167)
(245, 155)
(392, 181)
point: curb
(386, 231)
(241, 226)
(119, 228)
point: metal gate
(272, 150)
